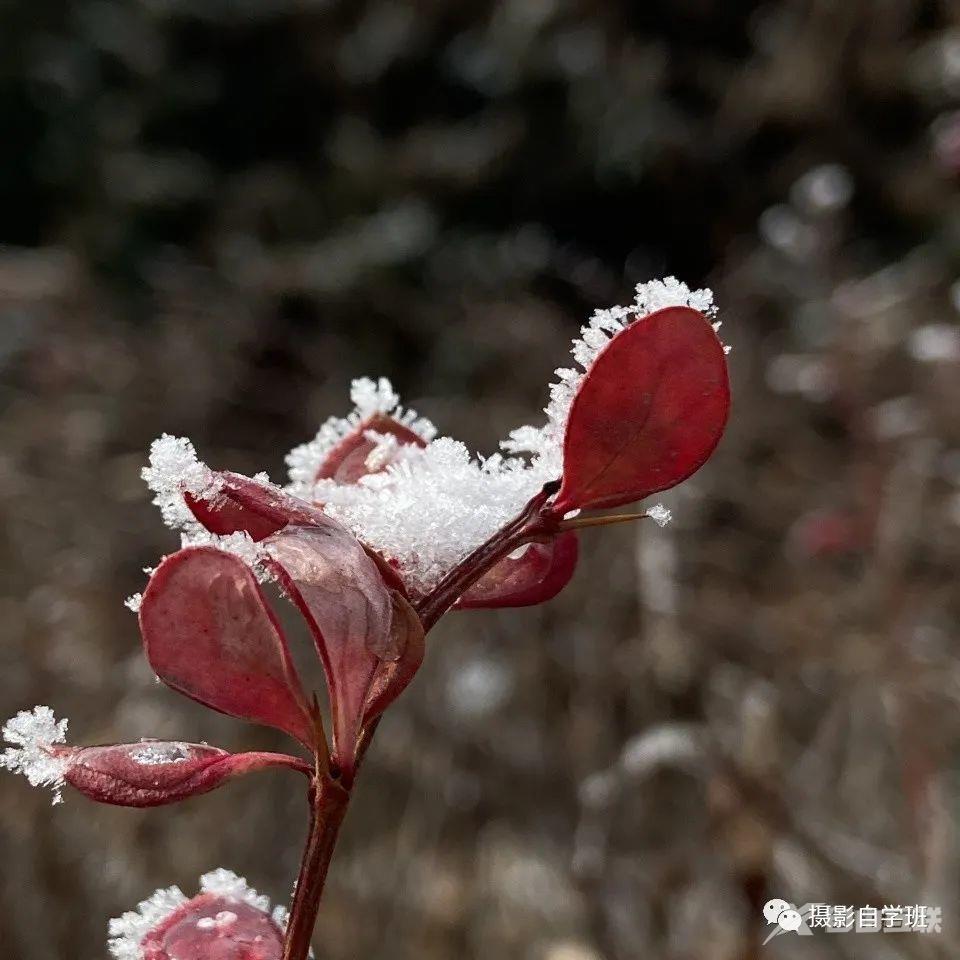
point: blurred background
(214, 215)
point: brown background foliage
(216, 215)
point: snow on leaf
(425, 508)
(428, 511)
(172, 470)
(546, 443)
(154, 773)
(648, 413)
(373, 401)
(226, 919)
(252, 507)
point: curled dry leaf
(209, 634)
(648, 413)
(156, 772)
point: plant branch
(328, 806)
(531, 524)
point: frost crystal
(174, 470)
(152, 754)
(29, 734)
(127, 933)
(659, 514)
(369, 397)
(226, 884)
(133, 602)
(427, 508)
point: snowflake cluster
(424, 507)
(427, 511)
(128, 932)
(369, 397)
(174, 470)
(30, 733)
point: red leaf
(392, 675)
(212, 926)
(156, 772)
(342, 595)
(346, 462)
(243, 504)
(210, 635)
(648, 413)
(539, 574)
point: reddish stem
(328, 797)
(328, 806)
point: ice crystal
(659, 514)
(152, 754)
(133, 602)
(226, 884)
(30, 733)
(430, 509)
(173, 470)
(369, 397)
(128, 931)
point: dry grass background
(214, 219)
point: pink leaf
(393, 673)
(648, 413)
(347, 461)
(350, 611)
(539, 574)
(213, 926)
(242, 504)
(155, 772)
(209, 634)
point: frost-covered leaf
(373, 444)
(537, 575)
(209, 634)
(156, 772)
(425, 508)
(349, 608)
(227, 920)
(239, 504)
(335, 452)
(647, 414)
(427, 512)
